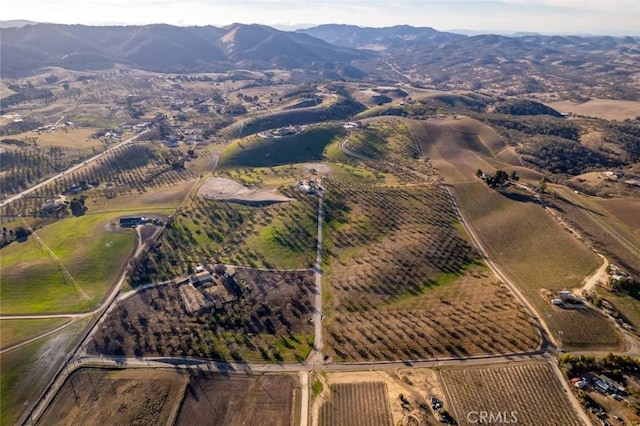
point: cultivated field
(357, 404)
(32, 281)
(407, 392)
(625, 210)
(214, 400)
(131, 169)
(256, 316)
(459, 147)
(121, 397)
(529, 394)
(611, 230)
(609, 109)
(405, 284)
(553, 260)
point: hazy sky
(556, 16)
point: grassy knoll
(266, 176)
(13, 332)
(24, 372)
(536, 253)
(384, 138)
(32, 281)
(276, 244)
(264, 152)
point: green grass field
(24, 372)
(32, 281)
(262, 152)
(384, 138)
(275, 244)
(13, 332)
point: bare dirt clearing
(224, 189)
(100, 397)
(213, 400)
(530, 394)
(316, 169)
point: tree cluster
(498, 179)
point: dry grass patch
(609, 109)
(98, 397)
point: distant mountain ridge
(163, 48)
(600, 66)
(380, 38)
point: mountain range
(164, 48)
(422, 56)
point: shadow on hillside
(571, 203)
(520, 197)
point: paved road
(71, 169)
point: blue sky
(548, 16)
